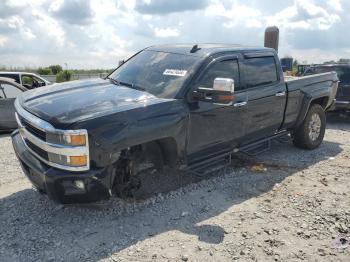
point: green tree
(55, 69)
(295, 63)
(63, 76)
(44, 71)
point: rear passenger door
(8, 94)
(266, 95)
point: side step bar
(260, 146)
(200, 168)
(223, 158)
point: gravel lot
(296, 206)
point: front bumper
(59, 184)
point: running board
(201, 168)
(222, 159)
(260, 146)
(257, 149)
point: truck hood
(71, 102)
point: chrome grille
(37, 150)
(33, 130)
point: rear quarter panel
(302, 91)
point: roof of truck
(204, 49)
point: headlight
(71, 140)
(66, 139)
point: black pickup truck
(179, 106)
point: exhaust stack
(272, 37)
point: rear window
(12, 76)
(260, 71)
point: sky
(98, 33)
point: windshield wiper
(131, 85)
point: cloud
(7, 9)
(3, 40)
(163, 7)
(99, 33)
(76, 12)
(166, 32)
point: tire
(309, 135)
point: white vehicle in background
(28, 80)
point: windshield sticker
(174, 72)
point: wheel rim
(315, 127)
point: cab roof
(204, 50)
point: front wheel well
(160, 151)
(135, 160)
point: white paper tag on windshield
(174, 72)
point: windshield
(342, 72)
(161, 74)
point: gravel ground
(286, 204)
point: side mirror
(220, 94)
(224, 84)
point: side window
(223, 69)
(260, 71)
(11, 91)
(38, 81)
(27, 81)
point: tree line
(63, 75)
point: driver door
(214, 128)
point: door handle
(239, 104)
(280, 93)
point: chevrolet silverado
(186, 107)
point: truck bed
(301, 88)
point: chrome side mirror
(220, 94)
(224, 84)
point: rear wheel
(310, 133)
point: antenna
(194, 49)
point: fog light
(79, 184)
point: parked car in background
(343, 71)
(9, 90)
(28, 80)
